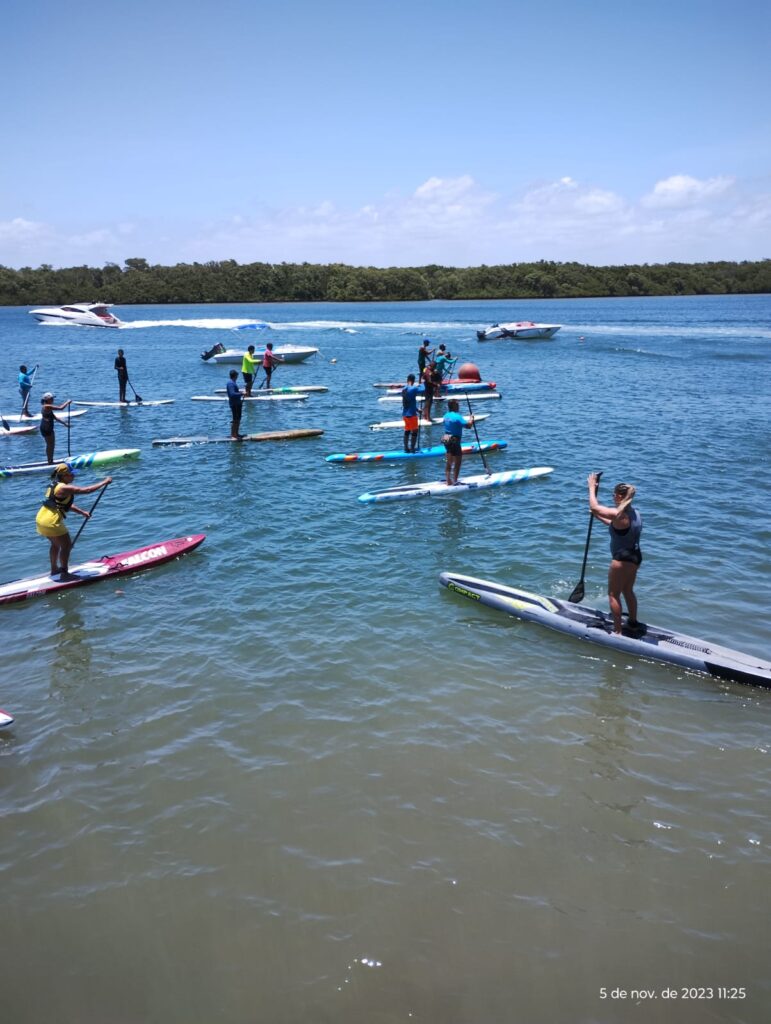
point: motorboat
(287, 354)
(81, 314)
(522, 329)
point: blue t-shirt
(454, 424)
(234, 394)
(25, 382)
(410, 400)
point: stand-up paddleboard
(126, 405)
(453, 389)
(439, 489)
(290, 389)
(252, 398)
(273, 435)
(434, 452)
(644, 641)
(392, 385)
(17, 431)
(476, 396)
(5, 719)
(101, 569)
(61, 415)
(393, 424)
(85, 461)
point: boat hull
(524, 330)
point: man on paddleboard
(625, 526)
(424, 355)
(269, 360)
(453, 433)
(248, 365)
(236, 401)
(410, 413)
(58, 502)
(122, 371)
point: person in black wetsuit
(122, 371)
(47, 420)
(625, 525)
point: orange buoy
(469, 371)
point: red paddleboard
(100, 569)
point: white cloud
(683, 190)
(452, 221)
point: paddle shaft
(137, 398)
(578, 593)
(476, 434)
(90, 513)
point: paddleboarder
(453, 433)
(122, 370)
(410, 413)
(269, 361)
(236, 402)
(47, 420)
(625, 525)
(59, 500)
(428, 380)
(248, 369)
(424, 355)
(25, 386)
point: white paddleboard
(16, 418)
(126, 405)
(393, 424)
(439, 489)
(252, 398)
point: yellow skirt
(50, 523)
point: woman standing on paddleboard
(58, 502)
(625, 525)
(47, 420)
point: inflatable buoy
(469, 371)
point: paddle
(476, 433)
(5, 423)
(137, 398)
(578, 593)
(69, 424)
(90, 513)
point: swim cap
(46, 396)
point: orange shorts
(411, 422)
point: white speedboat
(82, 314)
(523, 329)
(287, 353)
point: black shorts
(452, 444)
(633, 555)
(248, 378)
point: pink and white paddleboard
(91, 572)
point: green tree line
(137, 281)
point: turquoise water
(290, 778)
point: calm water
(291, 779)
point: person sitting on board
(122, 370)
(47, 420)
(625, 525)
(269, 360)
(424, 356)
(25, 386)
(236, 402)
(58, 502)
(453, 433)
(249, 365)
(410, 413)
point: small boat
(287, 354)
(80, 314)
(394, 424)
(101, 568)
(76, 462)
(15, 431)
(36, 417)
(273, 435)
(434, 452)
(522, 330)
(440, 489)
(467, 387)
(641, 640)
(476, 396)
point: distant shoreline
(139, 283)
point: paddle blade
(578, 594)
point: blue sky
(385, 134)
